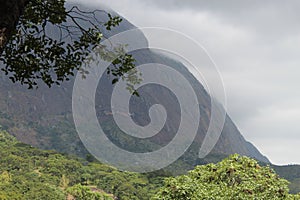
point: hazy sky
(256, 45)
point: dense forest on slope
(30, 173)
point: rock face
(43, 117)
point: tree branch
(10, 12)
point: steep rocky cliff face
(43, 117)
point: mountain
(43, 117)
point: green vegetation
(30, 173)
(235, 177)
(81, 192)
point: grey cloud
(275, 17)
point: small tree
(5, 177)
(85, 193)
(236, 177)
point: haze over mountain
(43, 117)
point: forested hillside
(27, 173)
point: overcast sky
(256, 45)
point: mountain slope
(290, 173)
(43, 117)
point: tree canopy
(236, 177)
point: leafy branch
(51, 43)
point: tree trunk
(10, 12)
